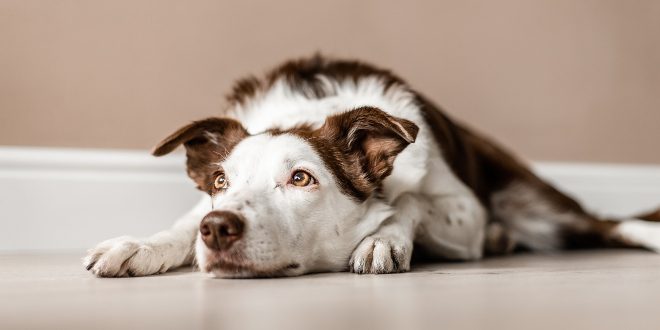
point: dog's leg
(541, 218)
(452, 227)
(127, 256)
(448, 226)
(389, 249)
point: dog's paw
(123, 256)
(378, 255)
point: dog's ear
(206, 141)
(371, 137)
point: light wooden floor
(597, 290)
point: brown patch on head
(359, 147)
(296, 128)
(207, 142)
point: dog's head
(288, 202)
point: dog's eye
(302, 179)
(220, 181)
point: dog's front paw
(123, 256)
(378, 255)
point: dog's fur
(352, 126)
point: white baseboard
(69, 199)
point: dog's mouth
(234, 263)
(226, 269)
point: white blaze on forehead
(270, 157)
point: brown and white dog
(314, 169)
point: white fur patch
(639, 232)
(452, 226)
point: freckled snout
(220, 229)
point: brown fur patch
(243, 90)
(485, 166)
(207, 142)
(295, 128)
(651, 216)
(358, 147)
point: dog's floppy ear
(371, 137)
(206, 141)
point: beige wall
(555, 80)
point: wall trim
(86, 164)
(68, 199)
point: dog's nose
(220, 229)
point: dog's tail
(653, 216)
(641, 231)
(541, 218)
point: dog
(327, 165)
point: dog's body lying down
(317, 171)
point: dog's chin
(224, 269)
